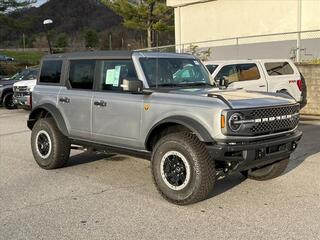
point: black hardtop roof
(111, 55)
(91, 54)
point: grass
(314, 61)
(24, 58)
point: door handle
(262, 85)
(100, 103)
(64, 100)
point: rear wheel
(182, 170)
(267, 172)
(50, 148)
(8, 101)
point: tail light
(30, 100)
(299, 83)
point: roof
(92, 54)
(116, 55)
(231, 61)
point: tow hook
(230, 167)
(294, 145)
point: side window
(229, 72)
(248, 72)
(51, 71)
(81, 74)
(113, 73)
(278, 68)
(211, 68)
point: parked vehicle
(4, 58)
(22, 90)
(6, 88)
(269, 75)
(164, 107)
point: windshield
(31, 75)
(26, 74)
(17, 76)
(175, 72)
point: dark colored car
(4, 58)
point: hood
(240, 98)
(26, 83)
(6, 82)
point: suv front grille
(274, 111)
(262, 121)
(21, 89)
(273, 120)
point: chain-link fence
(299, 46)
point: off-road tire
(202, 168)
(8, 101)
(268, 172)
(60, 144)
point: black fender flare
(53, 111)
(196, 127)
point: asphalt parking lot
(114, 198)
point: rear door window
(51, 71)
(81, 74)
(248, 72)
(278, 68)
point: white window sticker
(113, 76)
(109, 77)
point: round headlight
(234, 123)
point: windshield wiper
(168, 85)
(199, 84)
(183, 84)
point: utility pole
(24, 42)
(298, 52)
(45, 24)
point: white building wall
(198, 20)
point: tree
(91, 38)
(147, 15)
(6, 5)
(61, 40)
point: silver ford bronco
(164, 107)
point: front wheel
(267, 172)
(8, 101)
(50, 148)
(182, 170)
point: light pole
(45, 23)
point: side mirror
(132, 85)
(223, 82)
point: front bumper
(22, 101)
(246, 155)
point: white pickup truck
(267, 75)
(22, 90)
